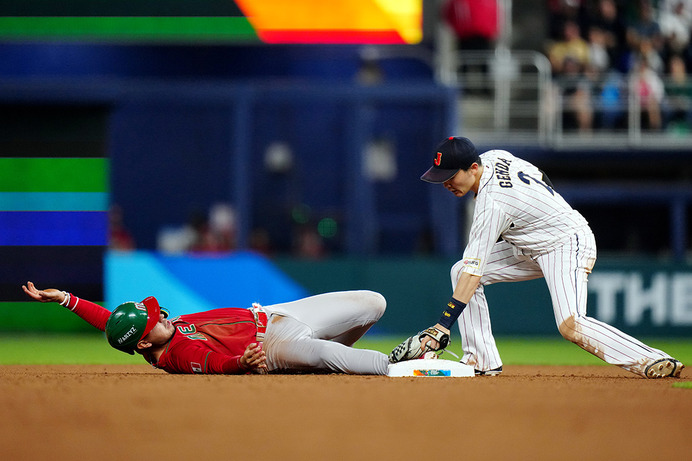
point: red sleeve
(95, 315)
(224, 364)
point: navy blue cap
(453, 154)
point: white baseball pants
(565, 270)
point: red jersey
(209, 342)
(206, 342)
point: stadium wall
(636, 296)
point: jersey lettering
(187, 329)
(523, 177)
(199, 336)
(190, 331)
(502, 172)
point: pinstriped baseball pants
(565, 269)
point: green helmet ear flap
(130, 322)
(125, 326)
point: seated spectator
(475, 24)
(576, 89)
(561, 11)
(606, 17)
(612, 102)
(215, 233)
(650, 89)
(599, 58)
(218, 233)
(572, 46)
(679, 96)
(646, 29)
(675, 20)
(653, 58)
(569, 60)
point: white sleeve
(489, 222)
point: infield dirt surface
(111, 412)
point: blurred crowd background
(596, 46)
(219, 152)
(595, 91)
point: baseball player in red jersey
(522, 230)
(310, 334)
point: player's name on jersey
(502, 172)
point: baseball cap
(453, 154)
(130, 322)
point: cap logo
(438, 159)
(141, 306)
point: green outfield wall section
(643, 298)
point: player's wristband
(66, 301)
(451, 313)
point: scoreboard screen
(213, 21)
(54, 200)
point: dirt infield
(136, 412)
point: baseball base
(430, 368)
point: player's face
(162, 331)
(463, 181)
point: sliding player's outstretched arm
(95, 315)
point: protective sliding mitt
(411, 348)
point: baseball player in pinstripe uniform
(522, 229)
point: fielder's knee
(569, 329)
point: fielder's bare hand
(254, 358)
(49, 295)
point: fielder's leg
(566, 271)
(477, 340)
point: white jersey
(513, 203)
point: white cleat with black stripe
(494, 372)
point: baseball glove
(411, 348)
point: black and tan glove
(412, 348)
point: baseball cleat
(664, 368)
(493, 372)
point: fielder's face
(464, 181)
